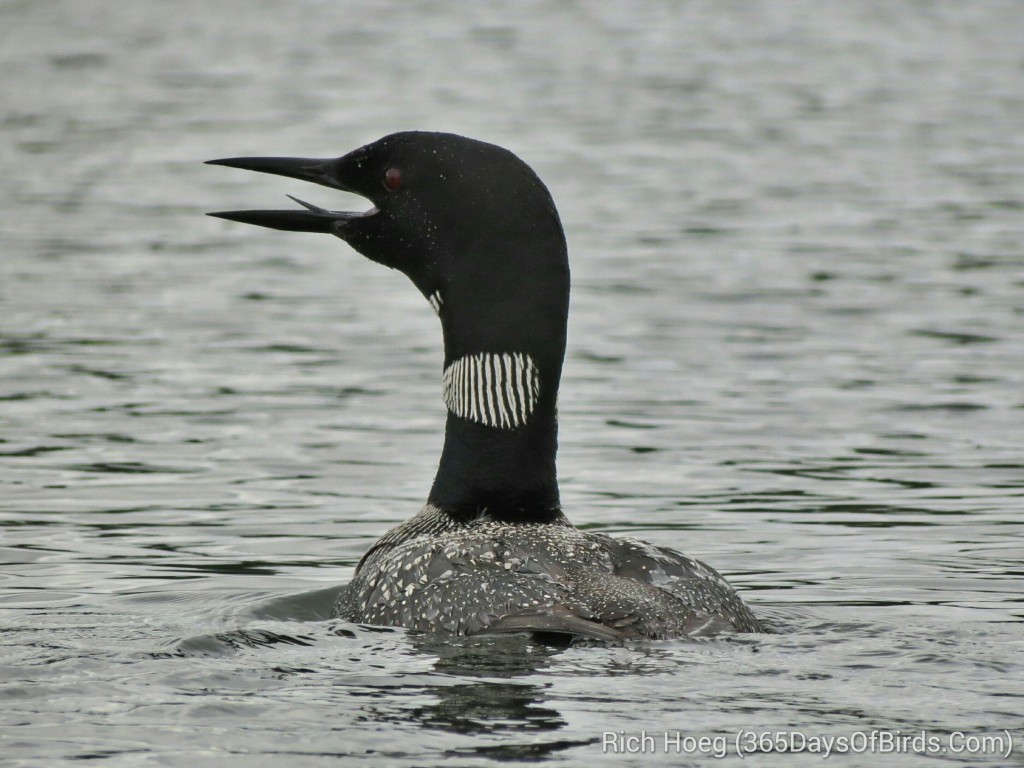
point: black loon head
(477, 232)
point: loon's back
(438, 575)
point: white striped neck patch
(497, 390)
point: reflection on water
(794, 351)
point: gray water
(796, 352)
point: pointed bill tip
(245, 163)
(229, 215)
(310, 220)
(304, 168)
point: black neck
(502, 285)
(504, 467)
(505, 474)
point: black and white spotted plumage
(440, 575)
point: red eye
(392, 179)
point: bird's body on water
(477, 232)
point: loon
(477, 232)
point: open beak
(313, 218)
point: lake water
(796, 351)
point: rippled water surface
(796, 351)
